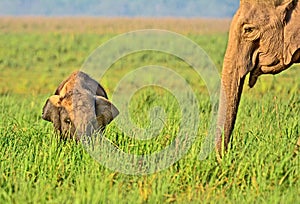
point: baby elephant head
(77, 110)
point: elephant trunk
(84, 112)
(231, 89)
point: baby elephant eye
(67, 120)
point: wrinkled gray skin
(264, 38)
(79, 107)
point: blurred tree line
(143, 8)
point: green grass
(36, 167)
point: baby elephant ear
(105, 111)
(50, 109)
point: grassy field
(36, 167)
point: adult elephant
(264, 38)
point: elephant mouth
(274, 62)
(274, 68)
(262, 66)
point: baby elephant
(79, 107)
